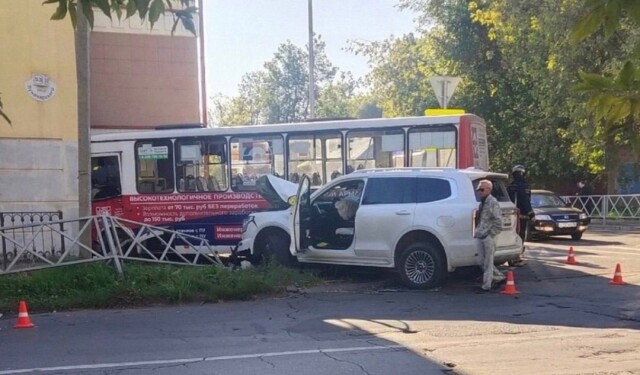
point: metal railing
(110, 239)
(608, 209)
(45, 243)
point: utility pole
(82, 44)
(312, 93)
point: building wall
(38, 152)
(142, 77)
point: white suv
(418, 221)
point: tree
(151, 10)
(245, 109)
(279, 92)
(517, 67)
(399, 76)
(614, 96)
(337, 98)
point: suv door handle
(403, 213)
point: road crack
(349, 362)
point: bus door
(106, 184)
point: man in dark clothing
(520, 194)
(583, 194)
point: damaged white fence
(57, 243)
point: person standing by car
(488, 226)
(520, 195)
(583, 195)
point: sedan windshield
(546, 200)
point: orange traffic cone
(617, 276)
(23, 317)
(571, 259)
(510, 287)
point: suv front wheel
(421, 266)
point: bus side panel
(472, 143)
(216, 217)
(465, 150)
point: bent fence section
(608, 209)
(51, 242)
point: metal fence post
(605, 209)
(112, 246)
(4, 244)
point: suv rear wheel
(421, 266)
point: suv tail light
(473, 222)
(510, 219)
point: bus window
(432, 148)
(201, 164)
(376, 149)
(105, 177)
(319, 157)
(154, 166)
(252, 157)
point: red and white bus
(202, 181)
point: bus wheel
(275, 247)
(421, 266)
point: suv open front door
(300, 217)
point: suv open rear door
(300, 217)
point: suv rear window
(433, 189)
(390, 190)
(499, 188)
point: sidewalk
(620, 227)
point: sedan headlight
(583, 216)
(543, 217)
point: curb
(619, 228)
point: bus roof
(280, 128)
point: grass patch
(97, 285)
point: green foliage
(97, 285)
(614, 99)
(517, 67)
(399, 76)
(280, 92)
(369, 110)
(337, 98)
(182, 10)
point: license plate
(567, 225)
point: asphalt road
(567, 319)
